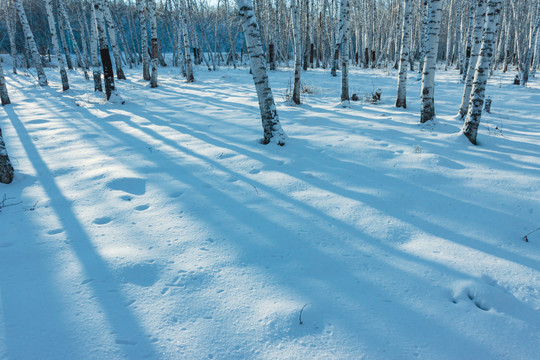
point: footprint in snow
(142, 207)
(55, 231)
(254, 171)
(102, 220)
(134, 186)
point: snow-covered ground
(162, 228)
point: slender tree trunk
(468, 47)
(114, 42)
(10, 23)
(141, 9)
(154, 42)
(476, 44)
(74, 43)
(56, 48)
(84, 30)
(401, 100)
(6, 169)
(187, 50)
(94, 51)
(36, 59)
(64, 43)
(297, 52)
(3, 88)
(270, 120)
(345, 14)
(108, 73)
(427, 111)
(338, 43)
(470, 128)
(532, 42)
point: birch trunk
(532, 42)
(10, 23)
(36, 59)
(401, 100)
(64, 43)
(338, 43)
(108, 73)
(270, 120)
(476, 44)
(154, 43)
(56, 48)
(187, 50)
(6, 169)
(297, 53)
(345, 14)
(3, 88)
(141, 9)
(114, 42)
(94, 51)
(427, 111)
(468, 46)
(476, 103)
(76, 49)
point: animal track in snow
(102, 220)
(55, 231)
(134, 186)
(254, 171)
(142, 207)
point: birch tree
(476, 103)
(66, 18)
(56, 48)
(10, 24)
(532, 42)
(6, 169)
(187, 55)
(3, 88)
(141, 10)
(114, 42)
(94, 51)
(401, 100)
(297, 52)
(479, 22)
(345, 16)
(427, 111)
(154, 43)
(108, 73)
(269, 116)
(36, 59)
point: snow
(163, 229)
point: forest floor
(163, 229)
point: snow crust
(162, 228)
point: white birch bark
(270, 120)
(297, 53)
(427, 111)
(475, 52)
(10, 24)
(36, 59)
(532, 42)
(468, 46)
(476, 103)
(94, 52)
(108, 73)
(154, 43)
(187, 50)
(401, 100)
(141, 10)
(338, 43)
(3, 89)
(111, 25)
(65, 16)
(56, 48)
(345, 13)
(6, 169)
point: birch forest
(269, 179)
